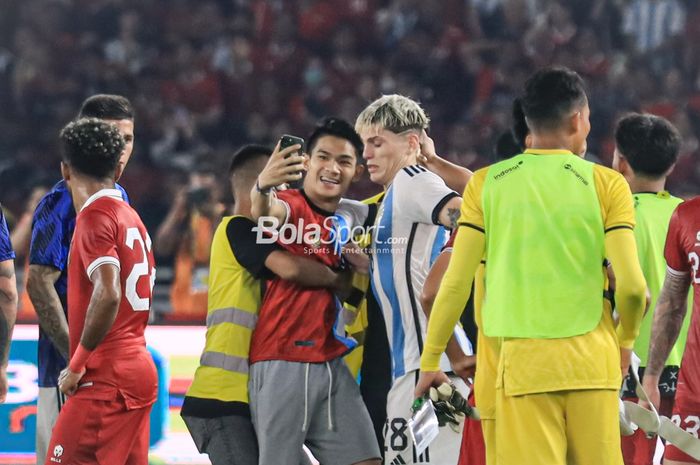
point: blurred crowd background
(208, 75)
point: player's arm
(261, 259)
(449, 214)
(101, 313)
(284, 166)
(671, 307)
(462, 364)
(630, 286)
(46, 262)
(8, 314)
(456, 177)
(453, 295)
(668, 318)
(425, 198)
(621, 251)
(307, 272)
(41, 288)
(451, 299)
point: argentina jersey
(52, 230)
(406, 240)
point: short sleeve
(246, 248)
(6, 251)
(289, 201)
(615, 199)
(355, 213)
(95, 240)
(48, 231)
(472, 213)
(421, 194)
(674, 252)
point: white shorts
(398, 444)
(49, 404)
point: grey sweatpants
(228, 440)
(317, 404)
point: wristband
(79, 359)
(262, 191)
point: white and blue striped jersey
(406, 240)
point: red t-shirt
(109, 232)
(683, 257)
(296, 324)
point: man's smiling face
(331, 167)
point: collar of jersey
(315, 207)
(548, 152)
(114, 193)
(661, 194)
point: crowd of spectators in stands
(208, 75)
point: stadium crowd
(538, 228)
(206, 76)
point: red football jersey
(296, 324)
(683, 257)
(109, 232)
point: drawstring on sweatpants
(306, 398)
(330, 390)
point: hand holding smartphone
(282, 169)
(287, 141)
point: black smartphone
(287, 141)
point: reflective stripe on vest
(232, 315)
(225, 362)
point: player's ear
(576, 122)
(65, 171)
(413, 142)
(670, 170)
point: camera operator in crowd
(186, 234)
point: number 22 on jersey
(695, 263)
(135, 241)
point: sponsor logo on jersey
(507, 171)
(569, 167)
(57, 453)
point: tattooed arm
(450, 213)
(52, 319)
(8, 314)
(668, 318)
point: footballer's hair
(92, 147)
(394, 113)
(519, 127)
(506, 147)
(551, 95)
(336, 127)
(649, 143)
(246, 154)
(511, 143)
(106, 106)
